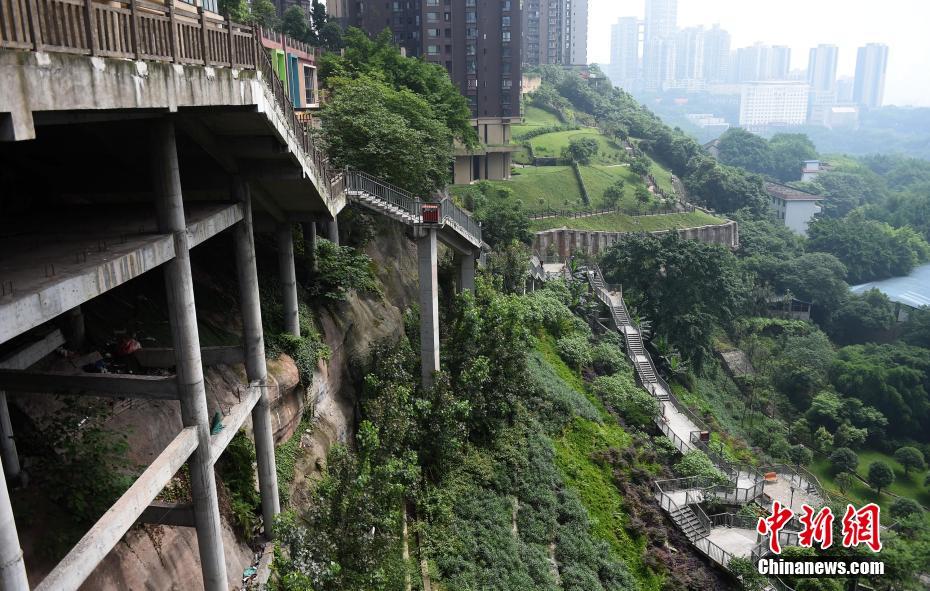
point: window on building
(432, 32)
(432, 17)
(432, 49)
(505, 36)
(505, 21)
(310, 85)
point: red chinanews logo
(859, 526)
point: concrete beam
(109, 385)
(161, 513)
(200, 134)
(428, 261)
(234, 421)
(90, 551)
(164, 357)
(73, 280)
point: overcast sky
(903, 25)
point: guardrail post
(201, 19)
(230, 42)
(134, 28)
(33, 8)
(173, 31)
(90, 25)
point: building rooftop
(787, 193)
(912, 290)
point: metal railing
(733, 520)
(456, 216)
(800, 477)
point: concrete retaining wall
(564, 242)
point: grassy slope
(534, 118)
(591, 481)
(555, 184)
(618, 222)
(598, 178)
(550, 145)
(860, 493)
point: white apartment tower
(871, 65)
(658, 43)
(576, 26)
(716, 54)
(773, 103)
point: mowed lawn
(551, 145)
(534, 118)
(556, 186)
(618, 222)
(598, 179)
(860, 493)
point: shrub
(237, 468)
(340, 269)
(880, 476)
(624, 397)
(904, 507)
(844, 460)
(547, 310)
(608, 358)
(911, 458)
(696, 463)
(575, 350)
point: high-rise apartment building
(624, 52)
(479, 43)
(658, 43)
(716, 54)
(871, 65)
(821, 75)
(689, 56)
(555, 32)
(821, 69)
(761, 62)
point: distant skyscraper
(773, 104)
(624, 52)
(779, 63)
(821, 69)
(716, 54)
(761, 62)
(658, 45)
(689, 54)
(871, 64)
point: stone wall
(564, 243)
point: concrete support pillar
(75, 328)
(429, 305)
(12, 567)
(255, 367)
(465, 269)
(182, 315)
(287, 276)
(310, 243)
(334, 230)
(11, 466)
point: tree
(613, 194)
(844, 192)
(862, 317)
(823, 440)
(684, 287)
(582, 150)
(789, 151)
(880, 476)
(800, 455)
(844, 481)
(621, 394)
(725, 188)
(848, 436)
(379, 59)
(904, 507)
(642, 194)
(746, 150)
(393, 134)
(265, 14)
(844, 459)
(640, 166)
(294, 23)
(502, 217)
(911, 458)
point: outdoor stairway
(382, 207)
(689, 524)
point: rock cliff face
(163, 557)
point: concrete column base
(12, 567)
(428, 261)
(334, 230)
(11, 467)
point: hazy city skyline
(801, 25)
